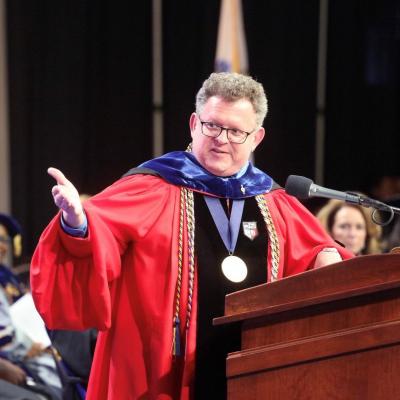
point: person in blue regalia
(21, 360)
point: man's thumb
(57, 175)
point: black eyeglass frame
(223, 128)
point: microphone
(303, 188)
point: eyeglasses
(213, 130)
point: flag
(231, 53)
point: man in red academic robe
(141, 261)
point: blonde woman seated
(352, 226)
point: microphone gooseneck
(304, 188)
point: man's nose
(223, 136)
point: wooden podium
(331, 333)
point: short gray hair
(232, 86)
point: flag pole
(321, 93)
(231, 54)
(158, 126)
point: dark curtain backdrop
(81, 87)
(80, 98)
(363, 94)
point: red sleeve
(301, 236)
(72, 278)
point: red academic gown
(122, 278)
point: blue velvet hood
(181, 168)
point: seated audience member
(11, 377)
(16, 348)
(352, 226)
(75, 348)
(25, 356)
(10, 232)
(13, 384)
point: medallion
(234, 269)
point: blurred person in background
(351, 225)
(21, 359)
(10, 239)
(391, 231)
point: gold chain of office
(187, 209)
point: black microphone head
(298, 186)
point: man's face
(218, 155)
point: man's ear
(193, 122)
(258, 137)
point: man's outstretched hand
(66, 198)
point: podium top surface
(357, 276)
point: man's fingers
(62, 202)
(58, 176)
(55, 190)
(63, 198)
(66, 198)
